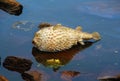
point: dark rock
(27, 77)
(11, 6)
(17, 64)
(2, 78)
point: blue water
(99, 59)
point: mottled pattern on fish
(58, 38)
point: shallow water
(90, 62)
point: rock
(2, 78)
(17, 64)
(32, 76)
(109, 78)
(27, 77)
(68, 75)
(11, 6)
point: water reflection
(56, 60)
(11, 6)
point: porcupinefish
(52, 38)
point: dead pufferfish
(52, 38)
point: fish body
(58, 38)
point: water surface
(89, 62)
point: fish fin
(96, 36)
(43, 25)
(57, 26)
(81, 42)
(79, 28)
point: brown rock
(70, 73)
(11, 6)
(32, 76)
(17, 64)
(2, 78)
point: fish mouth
(33, 42)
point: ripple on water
(23, 25)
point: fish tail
(96, 36)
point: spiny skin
(58, 38)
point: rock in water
(57, 37)
(17, 64)
(32, 76)
(11, 6)
(2, 78)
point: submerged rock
(68, 75)
(27, 77)
(17, 64)
(34, 75)
(58, 37)
(11, 6)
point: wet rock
(32, 76)
(17, 64)
(2, 78)
(70, 73)
(109, 78)
(11, 6)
